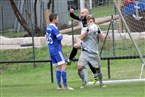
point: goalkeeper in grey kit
(89, 53)
(84, 14)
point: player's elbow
(102, 37)
(60, 37)
(81, 38)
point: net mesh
(118, 42)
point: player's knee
(77, 45)
(63, 67)
(80, 68)
(98, 70)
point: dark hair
(91, 17)
(52, 16)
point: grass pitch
(22, 80)
(37, 83)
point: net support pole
(120, 22)
(143, 65)
(72, 26)
(129, 33)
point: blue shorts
(57, 58)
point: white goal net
(125, 41)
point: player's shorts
(57, 58)
(86, 58)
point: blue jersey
(54, 38)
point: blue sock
(58, 77)
(64, 78)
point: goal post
(120, 45)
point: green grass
(101, 11)
(22, 80)
(12, 34)
(104, 10)
(36, 83)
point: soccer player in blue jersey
(55, 48)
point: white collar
(52, 24)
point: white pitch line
(119, 81)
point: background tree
(20, 18)
(51, 2)
(38, 30)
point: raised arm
(84, 34)
(72, 15)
